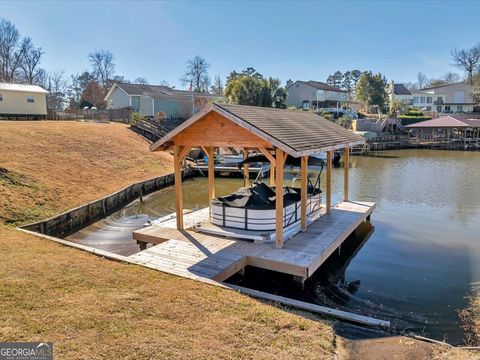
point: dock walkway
(193, 254)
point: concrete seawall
(75, 219)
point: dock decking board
(193, 254)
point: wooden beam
(285, 155)
(184, 152)
(323, 310)
(267, 154)
(272, 160)
(279, 199)
(329, 181)
(178, 185)
(211, 173)
(346, 168)
(303, 193)
(246, 173)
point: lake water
(415, 266)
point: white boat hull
(260, 219)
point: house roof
(446, 122)
(151, 90)
(319, 85)
(324, 86)
(400, 89)
(444, 85)
(296, 132)
(22, 87)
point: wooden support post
(346, 168)
(272, 174)
(279, 198)
(246, 172)
(177, 160)
(211, 174)
(329, 181)
(303, 191)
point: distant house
(450, 98)
(23, 101)
(149, 100)
(314, 94)
(400, 93)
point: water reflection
(417, 266)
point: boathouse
(188, 244)
(446, 129)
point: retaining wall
(73, 220)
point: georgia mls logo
(26, 351)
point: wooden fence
(117, 115)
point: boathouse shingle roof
(295, 131)
(448, 121)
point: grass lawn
(93, 308)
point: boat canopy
(291, 161)
(261, 196)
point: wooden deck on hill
(196, 255)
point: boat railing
(298, 205)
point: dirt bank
(47, 167)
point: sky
(299, 40)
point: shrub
(136, 117)
(413, 116)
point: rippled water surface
(415, 266)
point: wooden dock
(198, 255)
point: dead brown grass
(95, 308)
(50, 166)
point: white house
(314, 94)
(23, 101)
(450, 98)
(400, 93)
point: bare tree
(11, 52)
(422, 80)
(141, 80)
(217, 87)
(102, 64)
(56, 84)
(30, 63)
(412, 87)
(451, 77)
(167, 84)
(197, 74)
(468, 60)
